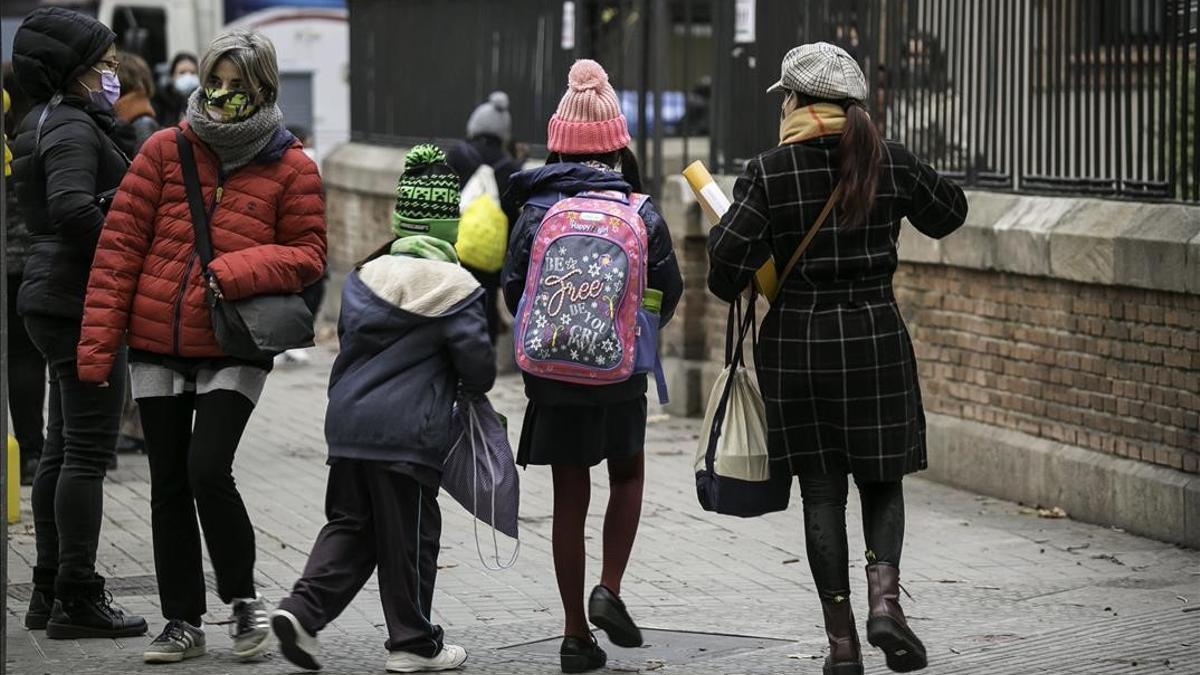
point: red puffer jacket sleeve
(124, 242)
(297, 258)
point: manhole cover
(667, 647)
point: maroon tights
(572, 493)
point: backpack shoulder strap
(812, 232)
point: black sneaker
(38, 614)
(578, 655)
(609, 614)
(91, 616)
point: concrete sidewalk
(996, 589)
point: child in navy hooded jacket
(413, 333)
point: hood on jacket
(425, 288)
(53, 46)
(281, 141)
(568, 178)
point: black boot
(845, 654)
(579, 655)
(887, 628)
(90, 614)
(42, 600)
(38, 614)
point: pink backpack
(578, 319)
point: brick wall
(1107, 368)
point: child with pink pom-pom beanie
(572, 427)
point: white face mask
(186, 83)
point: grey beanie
(491, 118)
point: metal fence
(1091, 97)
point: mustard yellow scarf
(812, 121)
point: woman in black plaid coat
(834, 360)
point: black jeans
(825, 527)
(377, 517)
(191, 470)
(81, 438)
(26, 382)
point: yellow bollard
(14, 481)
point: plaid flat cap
(822, 70)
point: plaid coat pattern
(834, 359)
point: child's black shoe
(578, 655)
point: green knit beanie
(427, 196)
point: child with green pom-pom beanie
(391, 395)
(426, 214)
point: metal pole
(4, 328)
(643, 64)
(660, 22)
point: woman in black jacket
(834, 360)
(64, 163)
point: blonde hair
(253, 55)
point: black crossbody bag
(255, 328)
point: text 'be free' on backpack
(580, 318)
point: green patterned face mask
(228, 105)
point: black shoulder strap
(191, 181)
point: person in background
(66, 63)
(267, 227)
(133, 110)
(489, 131)
(413, 339)
(26, 366)
(170, 101)
(573, 427)
(834, 333)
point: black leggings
(825, 528)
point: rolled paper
(715, 203)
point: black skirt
(582, 435)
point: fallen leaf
(447, 566)
(1056, 512)
(1181, 598)
(803, 657)
(790, 561)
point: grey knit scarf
(236, 143)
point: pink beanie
(589, 119)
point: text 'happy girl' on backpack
(413, 336)
(585, 253)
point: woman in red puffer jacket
(268, 232)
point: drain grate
(662, 647)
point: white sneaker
(295, 642)
(250, 629)
(450, 658)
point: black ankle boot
(579, 655)
(38, 614)
(91, 615)
(608, 613)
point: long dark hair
(860, 154)
(625, 157)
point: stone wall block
(1083, 245)
(1023, 233)
(1154, 252)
